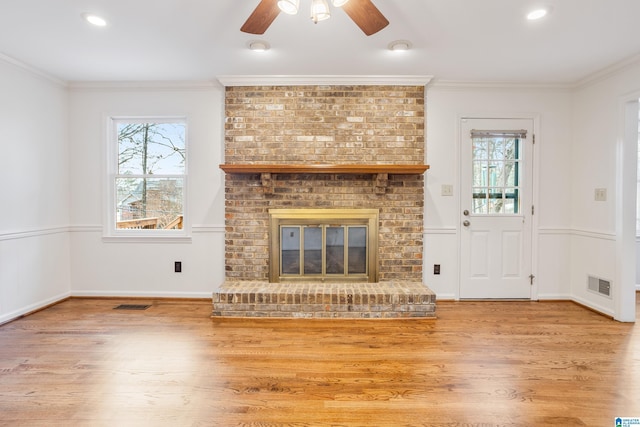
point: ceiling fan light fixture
(339, 3)
(289, 6)
(319, 10)
(399, 45)
(259, 46)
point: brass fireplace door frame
(306, 217)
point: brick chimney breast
(324, 125)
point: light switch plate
(446, 190)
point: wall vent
(599, 286)
(132, 307)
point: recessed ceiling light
(537, 14)
(259, 46)
(94, 20)
(399, 45)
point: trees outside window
(149, 184)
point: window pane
(511, 174)
(151, 148)
(479, 174)
(511, 148)
(509, 206)
(496, 203)
(312, 250)
(290, 250)
(479, 205)
(503, 148)
(495, 175)
(480, 149)
(157, 201)
(512, 200)
(335, 250)
(357, 254)
(496, 149)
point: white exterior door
(496, 204)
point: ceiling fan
(363, 12)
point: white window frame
(113, 234)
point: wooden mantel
(380, 172)
(325, 168)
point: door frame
(626, 175)
(534, 189)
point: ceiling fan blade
(262, 17)
(366, 16)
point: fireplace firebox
(327, 245)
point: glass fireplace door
(323, 244)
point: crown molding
(142, 85)
(607, 72)
(315, 80)
(497, 85)
(36, 72)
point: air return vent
(132, 307)
(600, 286)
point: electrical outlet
(600, 194)
(436, 268)
(177, 266)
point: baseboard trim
(141, 298)
(594, 307)
(554, 297)
(140, 295)
(33, 308)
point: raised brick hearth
(324, 300)
(269, 126)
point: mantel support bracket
(382, 182)
(267, 183)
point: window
(496, 171)
(148, 176)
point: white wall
(551, 108)
(99, 267)
(603, 242)
(34, 214)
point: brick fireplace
(324, 147)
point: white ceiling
(197, 40)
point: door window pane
(495, 175)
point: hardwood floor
(82, 363)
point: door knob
(465, 212)
(466, 223)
